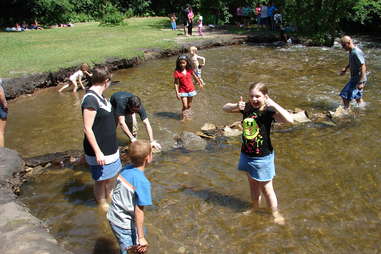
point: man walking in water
(124, 106)
(354, 88)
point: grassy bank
(51, 49)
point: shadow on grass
(211, 196)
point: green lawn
(51, 49)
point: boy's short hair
(193, 49)
(100, 75)
(138, 152)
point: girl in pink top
(184, 87)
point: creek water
(328, 178)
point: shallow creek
(328, 179)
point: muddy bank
(21, 232)
(28, 84)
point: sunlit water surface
(328, 179)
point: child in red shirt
(184, 87)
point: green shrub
(129, 13)
(80, 17)
(111, 15)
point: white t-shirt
(76, 75)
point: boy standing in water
(196, 64)
(354, 88)
(130, 195)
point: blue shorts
(190, 94)
(3, 113)
(350, 90)
(100, 173)
(126, 237)
(260, 168)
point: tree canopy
(319, 18)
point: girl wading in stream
(100, 144)
(184, 88)
(257, 155)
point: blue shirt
(356, 59)
(131, 188)
(271, 10)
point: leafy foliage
(111, 15)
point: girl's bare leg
(100, 194)
(184, 101)
(3, 124)
(75, 87)
(255, 191)
(189, 115)
(65, 86)
(272, 202)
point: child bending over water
(77, 76)
(257, 155)
(184, 87)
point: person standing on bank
(100, 143)
(190, 20)
(3, 114)
(257, 155)
(125, 106)
(354, 88)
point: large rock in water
(20, 231)
(10, 163)
(190, 141)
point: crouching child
(132, 192)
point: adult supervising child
(354, 88)
(100, 144)
(257, 155)
(125, 106)
(130, 195)
(184, 87)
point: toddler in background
(77, 76)
(196, 64)
(199, 26)
(173, 19)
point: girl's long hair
(186, 58)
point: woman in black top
(100, 143)
(257, 156)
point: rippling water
(327, 178)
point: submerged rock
(190, 141)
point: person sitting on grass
(132, 192)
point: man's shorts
(350, 90)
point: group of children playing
(188, 23)
(132, 190)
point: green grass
(51, 49)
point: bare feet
(278, 218)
